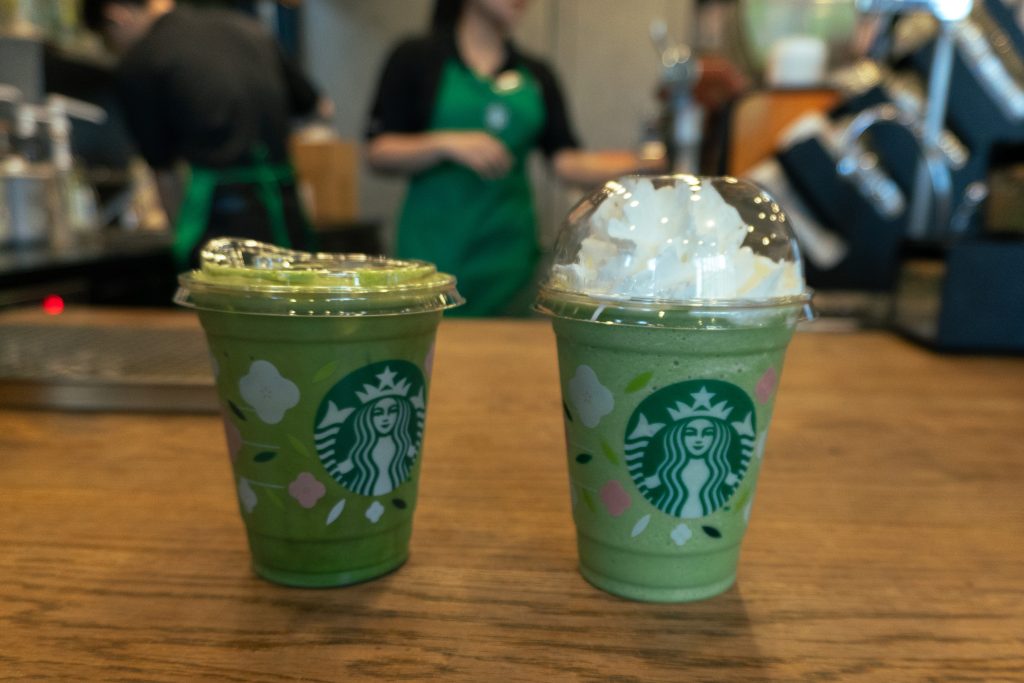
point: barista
(458, 111)
(212, 89)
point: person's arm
(397, 139)
(558, 141)
(409, 153)
(586, 168)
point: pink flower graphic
(234, 438)
(307, 490)
(615, 498)
(766, 385)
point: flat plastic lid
(252, 277)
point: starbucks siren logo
(369, 427)
(688, 446)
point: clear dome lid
(676, 242)
(248, 276)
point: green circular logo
(369, 427)
(689, 444)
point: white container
(796, 62)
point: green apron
(193, 217)
(482, 231)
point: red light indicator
(53, 305)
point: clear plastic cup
(322, 365)
(673, 300)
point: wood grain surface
(886, 544)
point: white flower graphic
(374, 512)
(681, 534)
(246, 496)
(270, 394)
(591, 399)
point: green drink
(322, 365)
(668, 392)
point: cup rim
(330, 304)
(660, 313)
(646, 303)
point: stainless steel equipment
(931, 202)
(680, 71)
(38, 185)
(28, 195)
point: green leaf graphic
(584, 458)
(264, 456)
(712, 531)
(588, 499)
(609, 453)
(298, 446)
(325, 372)
(639, 382)
(272, 497)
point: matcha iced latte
(322, 365)
(673, 300)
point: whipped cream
(677, 242)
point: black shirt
(412, 77)
(208, 87)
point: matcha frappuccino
(322, 365)
(673, 301)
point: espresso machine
(42, 198)
(899, 172)
(683, 116)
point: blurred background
(890, 130)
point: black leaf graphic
(236, 410)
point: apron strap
(194, 215)
(268, 177)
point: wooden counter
(887, 541)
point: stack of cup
(322, 366)
(673, 300)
